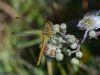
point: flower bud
(61, 40)
(58, 50)
(70, 39)
(59, 56)
(75, 61)
(56, 28)
(92, 34)
(73, 46)
(63, 26)
(68, 51)
(79, 54)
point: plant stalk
(49, 68)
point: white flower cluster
(59, 41)
(62, 42)
(54, 46)
(90, 23)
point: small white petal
(96, 22)
(51, 47)
(80, 24)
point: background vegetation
(21, 22)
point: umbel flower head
(55, 46)
(57, 42)
(89, 22)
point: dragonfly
(47, 33)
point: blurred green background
(21, 22)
